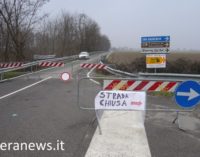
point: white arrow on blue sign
(187, 94)
(155, 39)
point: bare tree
(4, 41)
(69, 34)
(20, 17)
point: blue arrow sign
(187, 94)
(156, 39)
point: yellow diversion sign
(156, 61)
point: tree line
(25, 32)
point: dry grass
(123, 57)
(193, 56)
(129, 57)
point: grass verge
(12, 74)
(161, 93)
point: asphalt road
(47, 112)
(167, 139)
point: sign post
(158, 47)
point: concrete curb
(123, 135)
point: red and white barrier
(11, 64)
(51, 64)
(95, 66)
(140, 85)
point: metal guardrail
(170, 74)
(35, 63)
(153, 76)
(121, 72)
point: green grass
(161, 93)
(12, 74)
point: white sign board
(120, 100)
(156, 60)
(155, 50)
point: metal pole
(72, 68)
(98, 121)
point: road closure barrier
(51, 64)
(137, 85)
(11, 64)
(130, 84)
(95, 66)
(124, 94)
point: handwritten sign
(120, 100)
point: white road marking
(24, 88)
(88, 75)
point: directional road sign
(156, 60)
(155, 44)
(162, 50)
(187, 94)
(155, 39)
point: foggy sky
(126, 21)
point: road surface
(46, 112)
(40, 108)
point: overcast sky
(126, 21)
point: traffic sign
(156, 61)
(155, 39)
(187, 94)
(155, 44)
(65, 76)
(156, 50)
(120, 100)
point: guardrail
(153, 76)
(35, 63)
(31, 64)
(169, 75)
